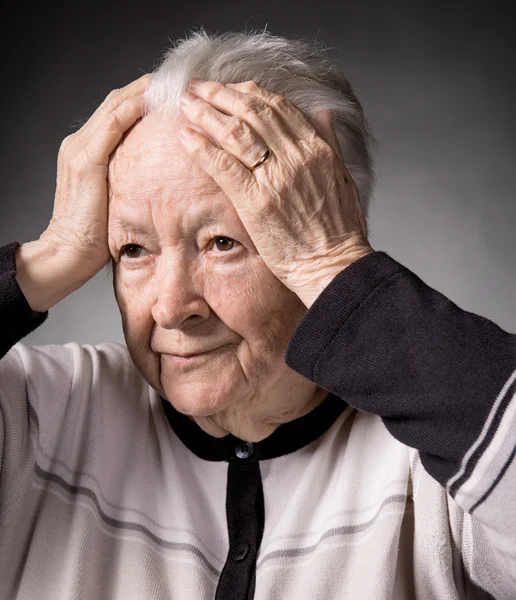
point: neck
(256, 419)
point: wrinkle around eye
(211, 249)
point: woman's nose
(179, 297)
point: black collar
(287, 438)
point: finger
(113, 100)
(273, 117)
(111, 129)
(265, 121)
(229, 173)
(231, 133)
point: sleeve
(17, 319)
(17, 417)
(442, 379)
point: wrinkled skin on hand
(300, 207)
(79, 224)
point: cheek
(257, 306)
(135, 309)
(137, 323)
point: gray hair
(293, 68)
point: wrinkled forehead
(151, 165)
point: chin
(209, 427)
(205, 387)
(197, 405)
(220, 425)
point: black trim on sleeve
(387, 343)
(17, 319)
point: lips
(189, 355)
(195, 353)
(191, 359)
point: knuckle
(197, 109)
(224, 161)
(212, 89)
(80, 163)
(75, 165)
(267, 113)
(250, 104)
(281, 103)
(66, 143)
(113, 120)
(89, 155)
(250, 86)
(115, 93)
(236, 129)
(114, 98)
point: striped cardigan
(401, 484)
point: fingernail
(187, 98)
(195, 83)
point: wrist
(327, 273)
(43, 276)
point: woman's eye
(222, 243)
(131, 250)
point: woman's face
(189, 280)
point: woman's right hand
(74, 247)
(79, 220)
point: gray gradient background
(437, 83)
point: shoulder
(52, 373)
(68, 360)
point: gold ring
(259, 162)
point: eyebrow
(206, 220)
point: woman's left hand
(300, 207)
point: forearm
(387, 343)
(442, 379)
(17, 318)
(44, 276)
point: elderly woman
(295, 415)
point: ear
(324, 126)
